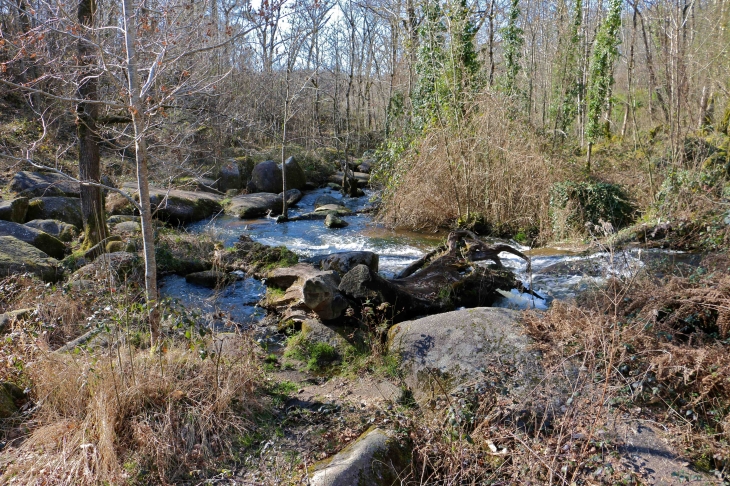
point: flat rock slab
(19, 257)
(374, 459)
(43, 184)
(442, 352)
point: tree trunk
(136, 109)
(92, 201)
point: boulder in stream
(345, 261)
(249, 206)
(306, 289)
(333, 221)
(209, 278)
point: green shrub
(574, 204)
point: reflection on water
(235, 302)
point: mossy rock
(255, 258)
(19, 257)
(63, 231)
(40, 239)
(14, 210)
(66, 209)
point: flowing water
(557, 273)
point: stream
(557, 273)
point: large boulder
(174, 205)
(43, 184)
(229, 177)
(295, 176)
(484, 346)
(184, 206)
(306, 289)
(63, 231)
(14, 210)
(366, 166)
(41, 240)
(266, 177)
(65, 209)
(260, 204)
(19, 257)
(376, 458)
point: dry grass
(133, 416)
(651, 349)
(492, 170)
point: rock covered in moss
(41, 240)
(332, 221)
(65, 209)
(376, 458)
(314, 333)
(63, 231)
(14, 210)
(254, 258)
(19, 257)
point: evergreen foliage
(600, 75)
(568, 84)
(513, 37)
